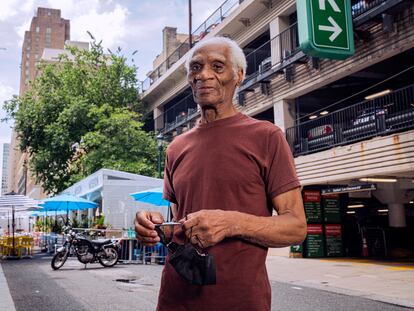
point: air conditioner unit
(265, 65)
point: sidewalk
(384, 281)
(6, 301)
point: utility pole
(190, 36)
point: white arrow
(333, 4)
(336, 30)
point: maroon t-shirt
(233, 164)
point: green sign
(332, 212)
(334, 246)
(325, 28)
(314, 246)
(313, 212)
(314, 241)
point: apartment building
(349, 123)
(47, 30)
(5, 168)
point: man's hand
(206, 227)
(145, 227)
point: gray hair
(237, 56)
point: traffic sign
(325, 28)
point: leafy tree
(81, 114)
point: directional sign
(325, 28)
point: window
(48, 38)
(48, 30)
(37, 29)
(27, 72)
(48, 13)
(36, 56)
(27, 63)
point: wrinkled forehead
(211, 52)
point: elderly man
(223, 178)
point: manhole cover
(126, 280)
(134, 281)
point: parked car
(368, 115)
(320, 131)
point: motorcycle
(87, 251)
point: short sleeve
(280, 166)
(168, 192)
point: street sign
(325, 28)
(348, 189)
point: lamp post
(160, 140)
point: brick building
(47, 30)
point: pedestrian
(224, 178)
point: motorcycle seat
(101, 242)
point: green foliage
(75, 223)
(101, 220)
(82, 114)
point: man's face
(211, 76)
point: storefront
(359, 220)
(111, 189)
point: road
(35, 286)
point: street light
(160, 140)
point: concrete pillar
(284, 112)
(396, 215)
(276, 27)
(395, 195)
(158, 121)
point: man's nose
(205, 73)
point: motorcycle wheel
(111, 257)
(59, 260)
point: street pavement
(33, 285)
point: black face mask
(197, 268)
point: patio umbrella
(152, 196)
(16, 202)
(66, 202)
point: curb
(6, 300)
(350, 292)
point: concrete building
(5, 168)
(47, 30)
(111, 190)
(349, 123)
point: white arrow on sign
(333, 4)
(336, 30)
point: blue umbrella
(66, 202)
(152, 196)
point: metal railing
(181, 113)
(208, 25)
(380, 116)
(273, 52)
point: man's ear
(239, 76)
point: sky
(129, 24)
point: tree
(82, 114)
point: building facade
(349, 123)
(5, 168)
(47, 30)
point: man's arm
(287, 228)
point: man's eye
(217, 67)
(195, 67)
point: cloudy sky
(130, 24)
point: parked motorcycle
(87, 251)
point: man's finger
(190, 222)
(143, 231)
(156, 218)
(143, 218)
